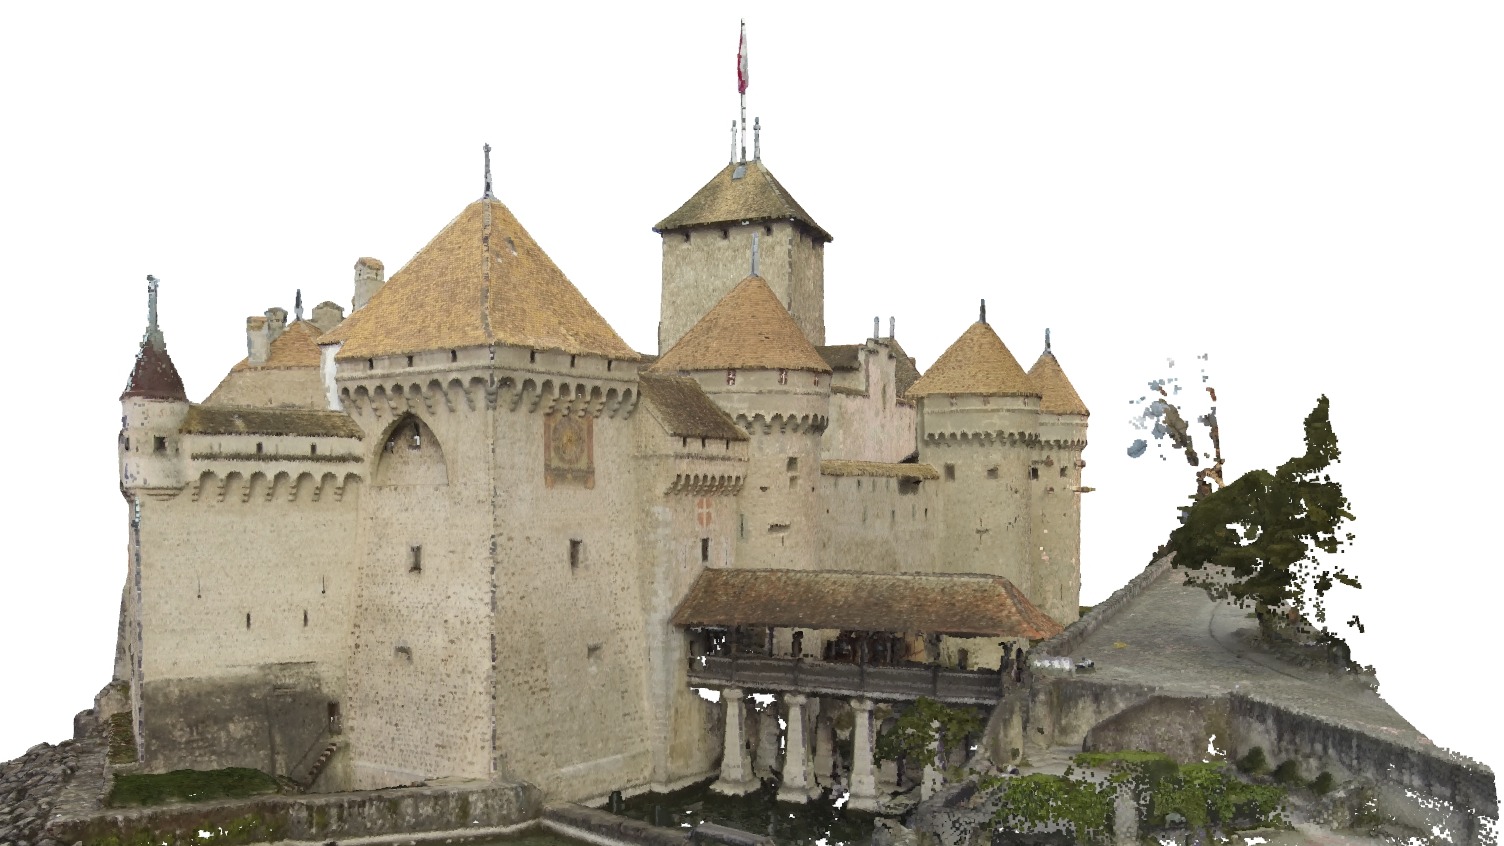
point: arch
(408, 453)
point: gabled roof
(749, 328)
(978, 363)
(756, 195)
(296, 347)
(842, 356)
(1059, 396)
(481, 280)
(682, 407)
(954, 604)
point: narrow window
(571, 361)
(305, 618)
(313, 449)
(741, 530)
(992, 472)
(1033, 472)
(532, 356)
(576, 552)
(793, 464)
(1062, 472)
(609, 362)
(260, 448)
(686, 235)
(323, 586)
(454, 355)
(415, 559)
(730, 377)
(127, 444)
(704, 550)
(702, 443)
(247, 619)
(725, 233)
(370, 364)
(767, 229)
(409, 361)
(159, 444)
(684, 442)
(950, 472)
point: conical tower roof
(481, 280)
(728, 198)
(748, 329)
(977, 363)
(1058, 395)
(154, 376)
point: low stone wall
(1397, 768)
(1066, 642)
(409, 813)
(1180, 727)
(1062, 709)
(607, 829)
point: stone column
(796, 781)
(736, 771)
(768, 733)
(824, 757)
(863, 796)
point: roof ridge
(749, 328)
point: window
(793, 464)
(370, 364)
(609, 362)
(730, 377)
(1062, 472)
(247, 619)
(950, 472)
(1033, 472)
(415, 559)
(159, 444)
(532, 356)
(305, 618)
(571, 361)
(260, 448)
(704, 550)
(783, 376)
(409, 361)
(576, 554)
(454, 355)
(313, 449)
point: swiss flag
(741, 62)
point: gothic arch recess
(410, 454)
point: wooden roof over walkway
(953, 604)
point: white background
(1309, 194)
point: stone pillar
(824, 758)
(863, 796)
(768, 733)
(796, 781)
(736, 770)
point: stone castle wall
(879, 523)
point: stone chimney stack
(257, 345)
(369, 276)
(276, 323)
(327, 315)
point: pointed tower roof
(1059, 396)
(154, 376)
(753, 195)
(977, 363)
(481, 280)
(749, 328)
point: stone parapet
(1066, 642)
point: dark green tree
(1267, 528)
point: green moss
(1323, 783)
(1083, 609)
(246, 829)
(122, 739)
(189, 786)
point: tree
(1267, 528)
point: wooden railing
(971, 687)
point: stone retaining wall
(409, 812)
(1066, 642)
(602, 827)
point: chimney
(327, 315)
(257, 344)
(369, 276)
(276, 322)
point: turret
(978, 424)
(1055, 494)
(705, 245)
(753, 361)
(153, 405)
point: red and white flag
(741, 62)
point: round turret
(153, 405)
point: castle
(467, 532)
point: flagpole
(741, 84)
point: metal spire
(754, 253)
(153, 334)
(488, 195)
(297, 306)
(1047, 342)
(733, 142)
(983, 317)
(757, 139)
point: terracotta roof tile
(297, 346)
(977, 363)
(954, 604)
(235, 420)
(472, 286)
(755, 196)
(682, 407)
(840, 467)
(1060, 396)
(749, 328)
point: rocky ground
(29, 788)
